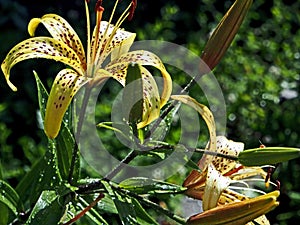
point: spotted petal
(151, 98)
(65, 86)
(196, 178)
(143, 58)
(227, 147)
(40, 47)
(61, 30)
(112, 39)
(215, 185)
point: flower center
(96, 45)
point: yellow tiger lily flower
(213, 185)
(66, 47)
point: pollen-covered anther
(98, 7)
(132, 9)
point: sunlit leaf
(144, 185)
(42, 176)
(47, 210)
(10, 198)
(142, 216)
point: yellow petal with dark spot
(215, 185)
(117, 44)
(143, 58)
(151, 101)
(65, 86)
(227, 147)
(40, 47)
(61, 30)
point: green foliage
(259, 78)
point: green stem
(131, 155)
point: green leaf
(123, 204)
(267, 155)
(3, 207)
(10, 198)
(126, 210)
(164, 126)
(47, 210)
(143, 185)
(42, 95)
(92, 214)
(43, 175)
(4, 214)
(142, 216)
(65, 144)
(133, 95)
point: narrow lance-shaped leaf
(47, 210)
(223, 35)
(10, 198)
(267, 155)
(143, 185)
(3, 208)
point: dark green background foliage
(259, 76)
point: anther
(132, 9)
(98, 6)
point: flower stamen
(122, 18)
(99, 12)
(132, 9)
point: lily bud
(223, 35)
(267, 155)
(238, 213)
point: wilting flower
(87, 68)
(215, 184)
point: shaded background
(259, 76)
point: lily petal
(151, 101)
(215, 185)
(144, 58)
(238, 213)
(40, 47)
(65, 86)
(227, 147)
(195, 177)
(61, 30)
(113, 40)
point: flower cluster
(217, 185)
